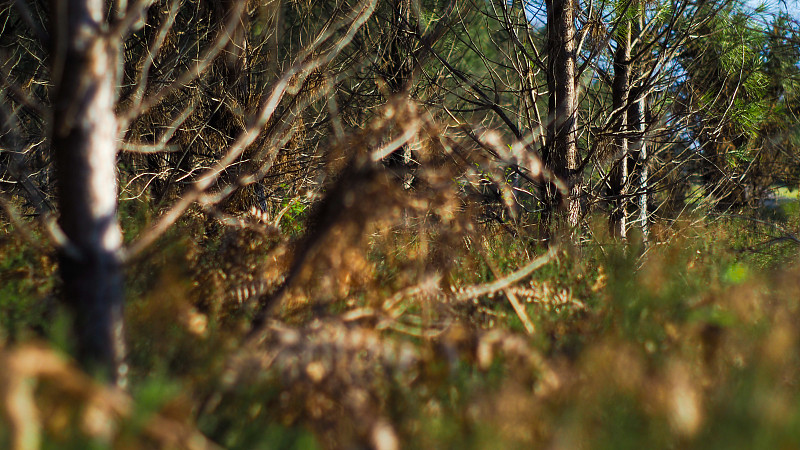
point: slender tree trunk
(85, 71)
(618, 217)
(637, 119)
(561, 153)
(639, 149)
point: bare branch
(153, 50)
(300, 69)
(473, 292)
(202, 63)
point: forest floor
(693, 344)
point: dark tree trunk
(561, 152)
(85, 71)
(618, 179)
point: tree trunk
(636, 116)
(84, 135)
(637, 119)
(561, 153)
(618, 217)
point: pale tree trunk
(85, 71)
(639, 148)
(618, 178)
(561, 152)
(637, 119)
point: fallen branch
(473, 292)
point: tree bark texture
(84, 134)
(561, 153)
(618, 178)
(637, 120)
(638, 146)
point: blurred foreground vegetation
(693, 344)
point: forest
(391, 224)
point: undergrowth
(686, 345)
(374, 313)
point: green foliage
(26, 287)
(293, 220)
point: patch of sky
(537, 15)
(791, 7)
(534, 11)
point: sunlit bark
(84, 133)
(561, 153)
(618, 218)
